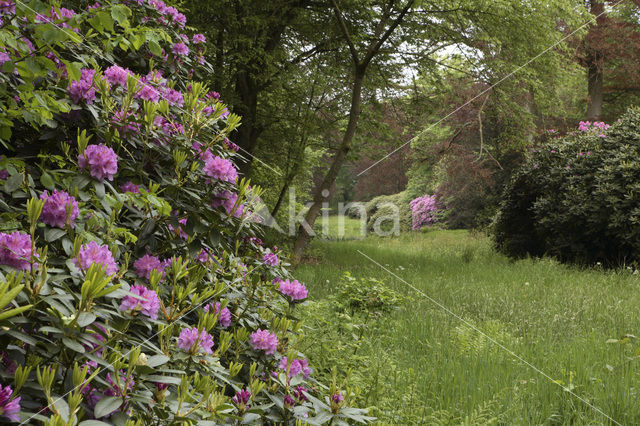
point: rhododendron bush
(424, 211)
(133, 286)
(576, 197)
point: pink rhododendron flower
(198, 38)
(192, 341)
(83, 89)
(173, 97)
(101, 160)
(148, 93)
(54, 210)
(242, 398)
(148, 263)
(7, 7)
(94, 253)
(117, 76)
(225, 314)
(16, 250)
(294, 289)
(264, 340)
(228, 199)
(130, 187)
(9, 408)
(221, 169)
(298, 365)
(270, 259)
(147, 303)
(180, 49)
(423, 211)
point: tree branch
(345, 31)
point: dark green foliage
(577, 198)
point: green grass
(339, 228)
(439, 370)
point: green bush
(133, 287)
(382, 206)
(577, 198)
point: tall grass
(556, 317)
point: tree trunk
(248, 133)
(595, 81)
(325, 190)
(595, 63)
(283, 192)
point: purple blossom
(228, 199)
(230, 145)
(130, 187)
(337, 398)
(242, 397)
(270, 259)
(147, 302)
(264, 340)
(298, 392)
(180, 49)
(83, 88)
(117, 76)
(298, 365)
(221, 169)
(9, 408)
(148, 93)
(294, 289)
(101, 160)
(198, 38)
(94, 253)
(192, 341)
(8, 7)
(174, 97)
(16, 250)
(148, 263)
(203, 257)
(225, 314)
(54, 210)
(423, 211)
(289, 401)
(4, 57)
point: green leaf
(73, 345)
(107, 406)
(155, 48)
(99, 186)
(74, 70)
(53, 234)
(157, 360)
(120, 13)
(93, 423)
(47, 181)
(13, 312)
(14, 182)
(86, 318)
(106, 20)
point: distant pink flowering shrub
(16, 250)
(424, 211)
(54, 211)
(264, 340)
(93, 252)
(147, 303)
(101, 160)
(596, 127)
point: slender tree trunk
(283, 192)
(595, 63)
(325, 190)
(249, 132)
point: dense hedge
(133, 287)
(578, 197)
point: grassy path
(558, 318)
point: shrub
(578, 197)
(424, 211)
(387, 206)
(133, 287)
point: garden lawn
(420, 364)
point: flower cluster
(101, 160)
(91, 253)
(298, 366)
(16, 250)
(227, 200)
(242, 398)
(117, 76)
(145, 301)
(270, 259)
(225, 314)
(596, 127)
(264, 340)
(130, 187)
(59, 209)
(9, 407)
(148, 263)
(294, 289)
(191, 340)
(424, 211)
(221, 169)
(83, 89)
